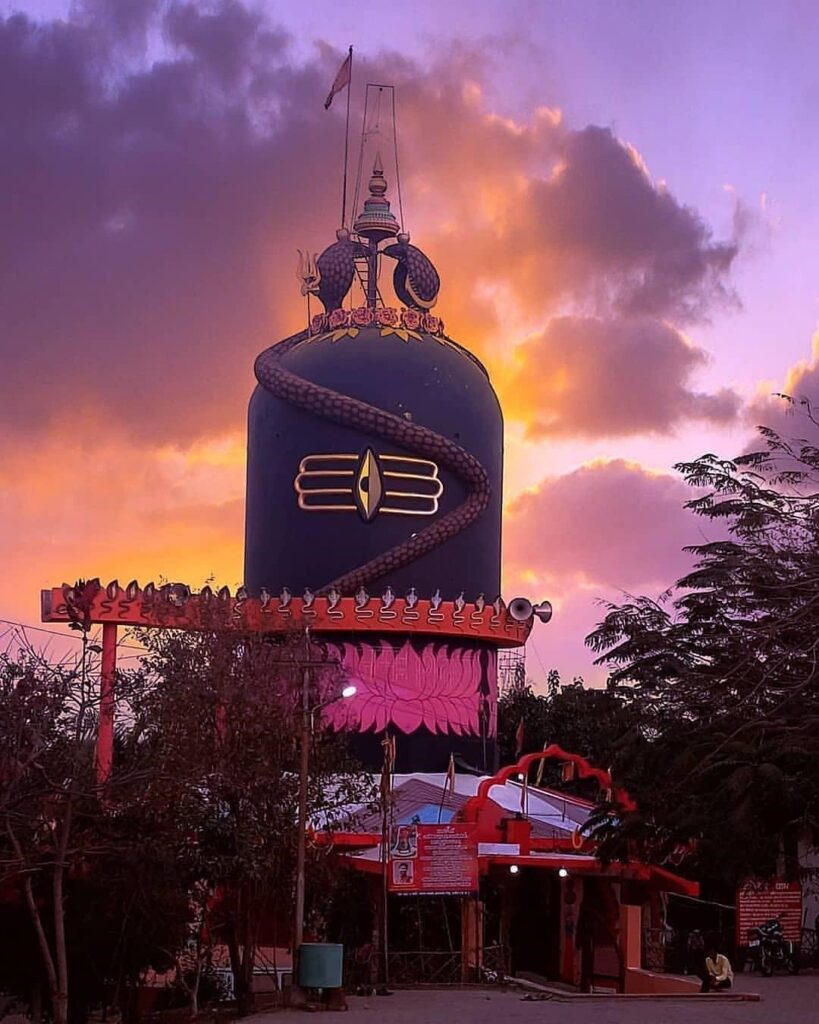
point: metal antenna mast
(376, 222)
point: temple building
(373, 523)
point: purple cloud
(612, 525)
(150, 211)
(590, 377)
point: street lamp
(307, 724)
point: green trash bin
(320, 964)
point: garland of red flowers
(385, 316)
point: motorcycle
(772, 949)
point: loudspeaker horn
(520, 609)
(543, 610)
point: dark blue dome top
(323, 498)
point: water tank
(321, 964)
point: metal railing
(809, 948)
(429, 967)
(424, 967)
(496, 966)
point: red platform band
(174, 607)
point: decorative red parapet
(473, 807)
(175, 606)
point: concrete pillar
(471, 939)
(105, 729)
(631, 934)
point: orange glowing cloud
(801, 384)
(118, 511)
(589, 377)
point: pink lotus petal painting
(444, 688)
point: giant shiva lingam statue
(375, 450)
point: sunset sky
(621, 200)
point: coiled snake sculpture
(352, 412)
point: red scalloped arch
(553, 752)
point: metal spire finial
(378, 183)
(376, 221)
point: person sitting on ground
(718, 974)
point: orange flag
(342, 80)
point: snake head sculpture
(415, 280)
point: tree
(130, 909)
(192, 838)
(50, 803)
(724, 669)
(591, 722)
(220, 719)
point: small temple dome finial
(376, 220)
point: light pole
(308, 715)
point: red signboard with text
(433, 859)
(758, 902)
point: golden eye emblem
(369, 485)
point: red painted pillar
(105, 731)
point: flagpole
(449, 784)
(387, 773)
(385, 892)
(346, 146)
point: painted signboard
(433, 860)
(758, 902)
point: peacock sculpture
(330, 276)
(336, 267)
(415, 280)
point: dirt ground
(785, 1001)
